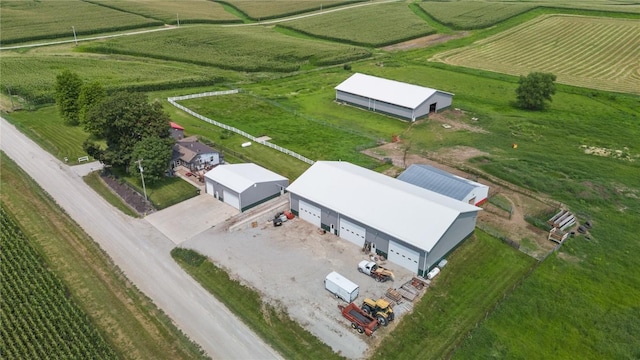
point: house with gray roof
(392, 97)
(445, 183)
(194, 155)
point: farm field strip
(24, 21)
(43, 321)
(473, 15)
(250, 49)
(262, 10)
(595, 52)
(378, 25)
(172, 11)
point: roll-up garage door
(309, 213)
(352, 232)
(231, 199)
(403, 256)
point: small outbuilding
(412, 227)
(445, 183)
(244, 186)
(392, 97)
(194, 155)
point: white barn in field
(392, 97)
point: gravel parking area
(288, 265)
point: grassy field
(478, 275)
(169, 191)
(313, 139)
(270, 323)
(473, 14)
(170, 12)
(374, 26)
(251, 49)
(129, 322)
(24, 21)
(598, 52)
(257, 10)
(39, 320)
(48, 130)
(33, 76)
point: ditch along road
(141, 251)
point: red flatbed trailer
(360, 321)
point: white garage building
(442, 182)
(410, 226)
(392, 97)
(244, 186)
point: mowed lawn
(595, 52)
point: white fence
(173, 102)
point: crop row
(33, 77)
(473, 15)
(376, 25)
(170, 12)
(583, 51)
(24, 21)
(40, 319)
(263, 10)
(241, 49)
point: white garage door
(352, 232)
(231, 199)
(209, 189)
(309, 213)
(403, 256)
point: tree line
(132, 128)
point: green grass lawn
(164, 193)
(477, 276)
(263, 10)
(133, 326)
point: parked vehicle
(360, 320)
(375, 271)
(341, 287)
(380, 309)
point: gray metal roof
(440, 181)
(390, 91)
(240, 177)
(417, 216)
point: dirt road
(141, 251)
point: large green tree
(122, 120)
(155, 155)
(535, 90)
(67, 90)
(91, 94)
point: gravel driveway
(141, 251)
(288, 265)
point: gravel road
(141, 251)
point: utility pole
(139, 162)
(10, 97)
(178, 18)
(74, 35)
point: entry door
(309, 213)
(403, 256)
(231, 199)
(209, 189)
(352, 232)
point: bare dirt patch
(425, 41)
(493, 219)
(456, 120)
